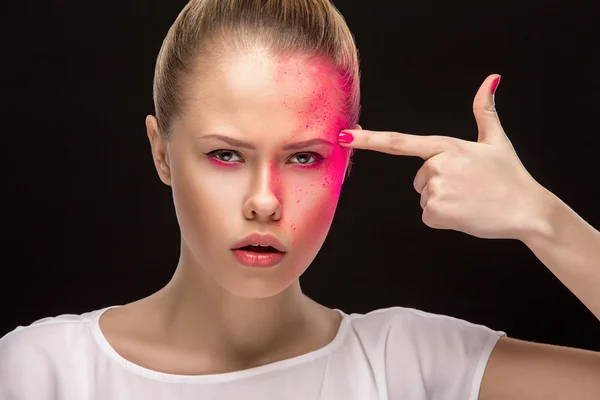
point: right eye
(225, 156)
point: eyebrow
(289, 146)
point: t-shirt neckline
(112, 354)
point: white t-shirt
(392, 353)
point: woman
(253, 100)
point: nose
(263, 203)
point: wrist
(541, 222)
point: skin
(481, 188)
(217, 315)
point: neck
(199, 314)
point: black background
(89, 224)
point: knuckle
(418, 182)
(434, 185)
(396, 141)
(416, 185)
(428, 218)
(434, 166)
(443, 146)
(425, 217)
(484, 109)
(433, 210)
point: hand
(480, 188)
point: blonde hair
(206, 28)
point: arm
(570, 248)
(519, 370)
(483, 189)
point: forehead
(257, 91)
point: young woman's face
(255, 151)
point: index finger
(396, 143)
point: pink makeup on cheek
(314, 100)
(313, 206)
(302, 198)
(311, 224)
(332, 179)
(318, 202)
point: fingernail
(345, 137)
(495, 84)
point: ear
(349, 159)
(160, 154)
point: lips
(258, 260)
(260, 243)
(258, 250)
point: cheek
(313, 203)
(202, 198)
(333, 176)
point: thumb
(484, 109)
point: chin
(256, 289)
(251, 283)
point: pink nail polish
(345, 137)
(495, 84)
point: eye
(308, 158)
(226, 156)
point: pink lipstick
(256, 259)
(259, 251)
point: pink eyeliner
(222, 164)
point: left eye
(306, 158)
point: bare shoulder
(524, 370)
